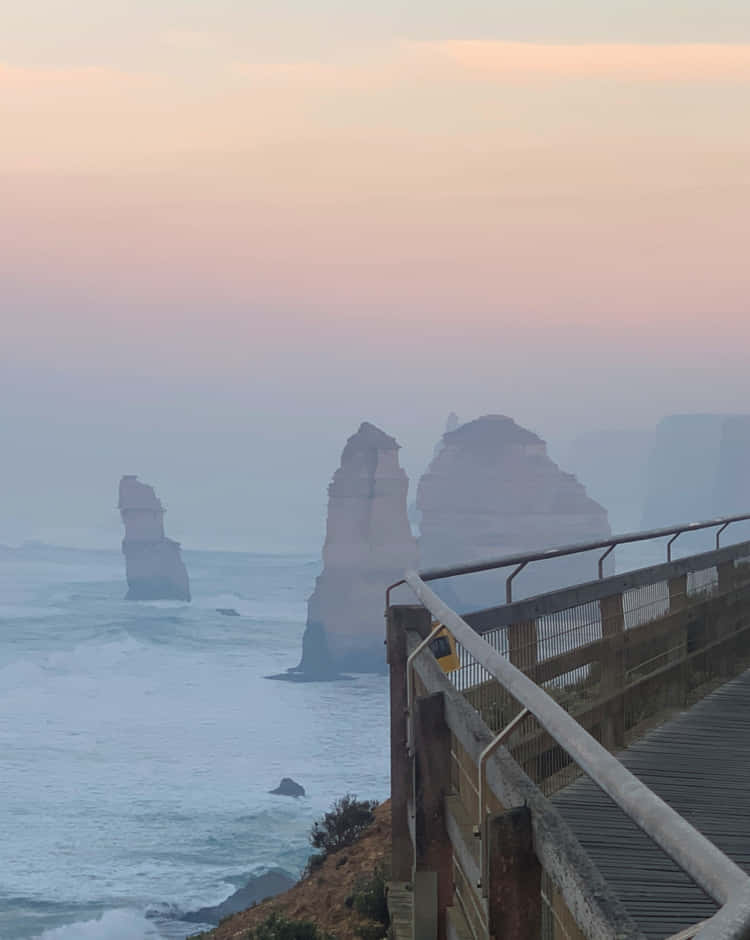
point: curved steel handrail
(519, 561)
(707, 865)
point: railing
(521, 561)
(567, 677)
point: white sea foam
(112, 925)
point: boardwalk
(699, 763)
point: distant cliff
(612, 465)
(699, 468)
(491, 490)
(368, 545)
(154, 566)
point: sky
(230, 232)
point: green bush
(343, 824)
(279, 927)
(370, 898)
(371, 931)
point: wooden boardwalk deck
(699, 763)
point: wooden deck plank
(699, 763)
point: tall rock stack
(612, 464)
(490, 491)
(699, 469)
(732, 490)
(154, 566)
(368, 545)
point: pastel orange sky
(414, 178)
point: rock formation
(732, 488)
(492, 491)
(288, 787)
(612, 464)
(258, 888)
(368, 546)
(699, 469)
(154, 566)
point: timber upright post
(515, 890)
(612, 671)
(401, 619)
(433, 875)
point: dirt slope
(321, 898)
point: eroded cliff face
(612, 464)
(491, 490)
(732, 488)
(154, 566)
(368, 545)
(699, 468)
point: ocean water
(138, 741)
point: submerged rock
(227, 611)
(154, 566)
(288, 787)
(491, 490)
(258, 888)
(368, 546)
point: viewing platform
(578, 765)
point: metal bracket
(509, 582)
(718, 534)
(669, 545)
(410, 688)
(601, 560)
(492, 746)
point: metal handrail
(519, 561)
(707, 865)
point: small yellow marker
(443, 648)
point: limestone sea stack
(491, 490)
(611, 464)
(154, 566)
(699, 469)
(368, 545)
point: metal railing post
(509, 582)
(601, 560)
(479, 831)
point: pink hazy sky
(377, 212)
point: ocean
(138, 741)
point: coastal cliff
(611, 464)
(154, 566)
(368, 545)
(699, 468)
(491, 490)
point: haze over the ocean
(232, 232)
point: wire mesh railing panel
(643, 604)
(568, 629)
(702, 582)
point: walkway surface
(699, 763)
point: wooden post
(433, 892)
(613, 671)
(523, 644)
(678, 596)
(678, 601)
(399, 620)
(515, 888)
(726, 575)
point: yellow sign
(443, 648)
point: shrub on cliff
(343, 824)
(278, 927)
(369, 898)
